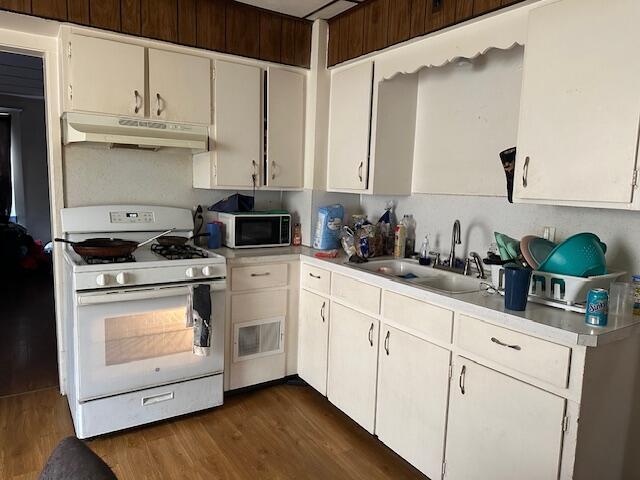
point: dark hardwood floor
(280, 432)
(28, 353)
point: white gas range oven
(128, 337)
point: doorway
(28, 351)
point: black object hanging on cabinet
(508, 159)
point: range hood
(131, 132)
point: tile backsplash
(481, 216)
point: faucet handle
(478, 263)
(436, 255)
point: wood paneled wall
(220, 25)
(377, 24)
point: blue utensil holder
(215, 236)
(516, 287)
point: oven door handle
(131, 295)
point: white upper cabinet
(578, 134)
(501, 428)
(237, 130)
(285, 99)
(106, 77)
(109, 77)
(413, 387)
(349, 120)
(179, 87)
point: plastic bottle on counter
(297, 235)
(410, 242)
(424, 251)
(400, 242)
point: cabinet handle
(273, 170)
(317, 277)
(158, 104)
(371, 335)
(163, 397)
(265, 274)
(502, 344)
(138, 99)
(324, 304)
(525, 172)
(463, 372)
(360, 170)
(386, 341)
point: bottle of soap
(424, 251)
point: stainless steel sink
(411, 272)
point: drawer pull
(265, 274)
(502, 344)
(463, 372)
(324, 304)
(317, 277)
(163, 397)
(386, 341)
(525, 173)
(371, 335)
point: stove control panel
(131, 217)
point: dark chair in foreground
(73, 460)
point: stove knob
(208, 271)
(102, 280)
(191, 272)
(122, 278)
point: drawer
(429, 320)
(356, 293)
(532, 356)
(149, 405)
(315, 278)
(246, 307)
(258, 276)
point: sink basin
(410, 271)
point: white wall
(97, 175)
(481, 216)
(32, 179)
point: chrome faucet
(455, 240)
(478, 261)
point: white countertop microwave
(256, 229)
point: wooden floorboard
(280, 432)
(28, 350)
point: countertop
(537, 319)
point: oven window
(257, 231)
(147, 335)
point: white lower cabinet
(353, 352)
(313, 340)
(501, 428)
(413, 386)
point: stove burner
(178, 252)
(107, 260)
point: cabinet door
(353, 353)
(578, 129)
(501, 428)
(106, 77)
(237, 124)
(179, 87)
(285, 128)
(413, 386)
(313, 340)
(349, 122)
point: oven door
(139, 338)
(261, 231)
